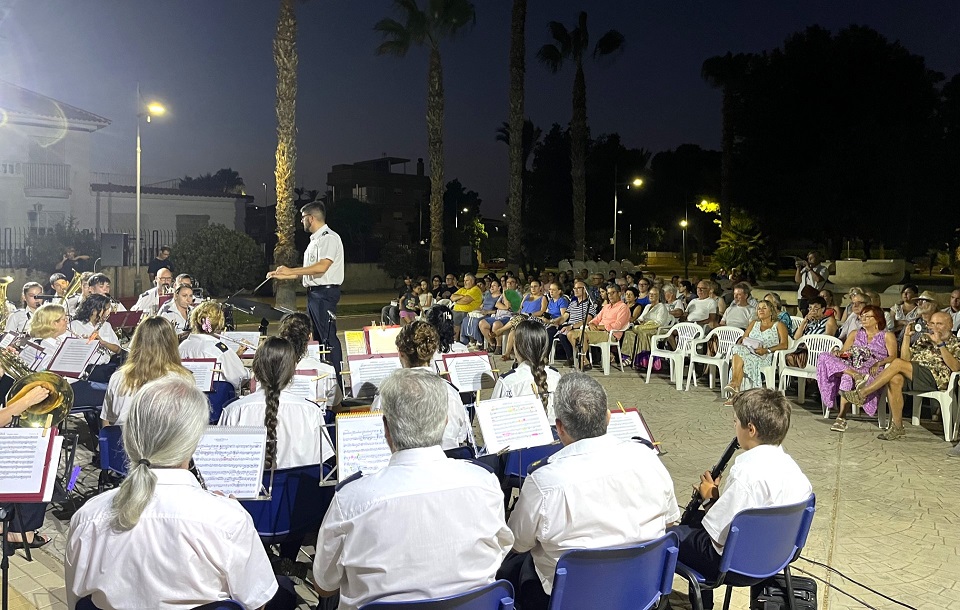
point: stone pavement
(888, 513)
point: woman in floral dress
(747, 361)
(862, 357)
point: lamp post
(686, 263)
(637, 182)
(143, 110)
(456, 218)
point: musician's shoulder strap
(354, 477)
(222, 346)
(644, 441)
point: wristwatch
(943, 344)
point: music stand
(124, 321)
(258, 309)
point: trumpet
(56, 405)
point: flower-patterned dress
(863, 354)
(752, 363)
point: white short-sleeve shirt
(519, 382)
(763, 476)
(189, 547)
(324, 243)
(106, 332)
(955, 315)
(116, 402)
(148, 302)
(424, 526)
(738, 316)
(169, 311)
(302, 439)
(698, 310)
(19, 321)
(593, 493)
(199, 345)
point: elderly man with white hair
(425, 525)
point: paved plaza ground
(888, 513)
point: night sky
(210, 62)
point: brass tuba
(58, 403)
(4, 282)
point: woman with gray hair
(161, 539)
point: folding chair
(606, 348)
(85, 603)
(498, 595)
(113, 459)
(686, 332)
(222, 394)
(726, 336)
(635, 577)
(816, 345)
(296, 506)
(761, 543)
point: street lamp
(637, 182)
(456, 218)
(143, 110)
(686, 263)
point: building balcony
(46, 180)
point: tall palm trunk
(285, 57)
(726, 159)
(578, 161)
(435, 151)
(517, 72)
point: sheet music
(356, 343)
(232, 338)
(466, 372)
(627, 424)
(23, 452)
(367, 373)
(518, 422)
(73, 356)
(231, 459)
(6, 339)
(52, 468)
(32, 354)
(361, 445)
(383, 339)
(202, 369)
(304, 386)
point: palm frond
(610, 43)
(447, 17)
(560, 33)
(581, 35)
(396, 36)
(550, 56)
(503, 133)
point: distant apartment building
(401, 200)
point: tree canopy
(226, 180)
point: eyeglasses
(858, 302)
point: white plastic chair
(797, 320)
(727, 337)
(564, 265)
(627, 266)
(577, 265)
(816, 345)
(606, 348)
(949, 407)
(613, 265)
(686, 332)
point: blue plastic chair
(222, 394)
(498, 595)
(113, 459)
(635, 577)
(85, 603)
(762, 542)
(297, 504)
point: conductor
(322, 274)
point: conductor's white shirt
(106, 332)
(190, 547)
(519, 382)
(763, 476)
(457, 430)
(424, 526)
(302, 439)
(324, 243)
(199, 345)
(593, 493)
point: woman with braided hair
(530, 375)
(295, 427)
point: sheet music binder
(210, 461)
(38, 496)
(125, 320)
(644, 433)
(359, 434)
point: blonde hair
(154, 352)
(43, 320)
(208, 310)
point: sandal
(729, 389)
(853, 397)
(729, 402)
(840, 425)
(38, 541)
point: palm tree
(442, 19)
(726, 72)
(570, 45)
(285, 57)
(516, 128)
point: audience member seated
(612, 317)
(643, 290)
(763, 475)
(365, 549)
(832, 308)
(448, 289)
(598, 491)
(816, 322)
(426, 296)
(954, 309)
(466, 299)
(675, 304)
(747, 361)
(739, 312)
(924, 365)
(655, 316)
(502, 310)
(848, 310)
(533, 306)
(297, 328)
(470, 333)
(926, 306)
(906, 310)
(862, 357)
(581, 309)
(851, 323)
(153, 355)
(630, 298)
(703, 309)
(161, 540)
(780, 311)
(207, 322)
(436, 287)
(530, 375)
(390, 314)
(416, 345)
(873, 298)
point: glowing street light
(686, 263)
(637, 182)
(148, 110)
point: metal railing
(54, 176)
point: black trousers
(321, 302)
(31, 515)
(519, 570)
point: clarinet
(718, 468)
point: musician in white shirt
(90, 322)
(18, 321)
(531, 375)
(177, 310)
(206, 321)
(161, 540)
(295, 328)
(455, 536)
(598, 491)
(149, 301)
(99, 283)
